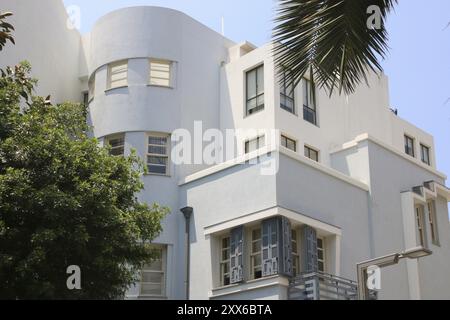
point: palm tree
(331, 40)
(6, 29)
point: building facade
(311, 185)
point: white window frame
(120, 136)
(323, 250)
(166, 156)
(259, 144)
(432, 219)
(309, 149)
(152, 78)
(161, 272)
(225, 262)
(112, 65)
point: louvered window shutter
(309, 251)
(236, 255)
(285, 246)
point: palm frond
(330, 39)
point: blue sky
(418, 64)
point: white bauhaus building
(350, 180)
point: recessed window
(287, 100)
(289, 143)
(255, 90)
(432, 218)
(409, 146)
(255, 144)
(255, 257)
(153, 275)
(225, 262)
(425, 154)
(91, 88)
(321, 262)
(86, 98)
(118, 74)
(117, 144)
(420, 226)
(160, 73)
(311, 153)
(309, 101)
(158, 154)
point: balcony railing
(321, 286)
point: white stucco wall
(43, 39)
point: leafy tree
(331, 40)
(65, 201)
(5, 29)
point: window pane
(162, 141)
(251, 84)
(157, 150)
(260, 80)
(154, 289)
(153, 277)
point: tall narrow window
(153, 276)
(309, 103)
(225, 262)
(409, 146)
(311, 153)
(420, 226)
(321, 254)
(255, 257)
(425, 153)
(270, 248)
(287, 101)
(158, 154)
(432, 218)
(255, 90)
(86, 98)
(255, 144)
(295, 254)
(160, 73)
(289, 143)
(118, 74)
(117, 144)
(91, 87)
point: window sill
(115, 88)
(159, 86)
(254, 113)
(158, 175)
(144, 297)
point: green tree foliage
(6, 29)
(331, 40)
(65, 201)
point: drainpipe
(187, 212)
